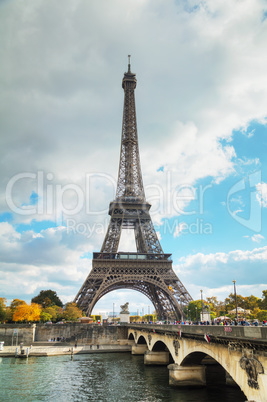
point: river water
(107, 377)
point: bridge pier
(184, 376)
(158, 358)
(139, 349)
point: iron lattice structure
(148, 271)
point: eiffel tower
(148, 271)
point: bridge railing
(253, 333)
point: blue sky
(201, 101)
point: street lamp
(235, 301)
(245, 313)
(201, 304)
(196, 313)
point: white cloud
(257, 238)
(33, 262)
(215, 271)
(60, 75)
(221, 292)
(194, 88)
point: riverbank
(84, 334)
(57, 349)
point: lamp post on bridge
(201, 291)
(235, 301)
(245, 313)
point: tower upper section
(130, 184)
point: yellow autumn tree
(25, 312)
(72, 312)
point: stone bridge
(237, 354)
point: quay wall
(18, 333)
(83, 333)
(72, 332)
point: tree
(217, 307)
(255, 312)
(15, 303)
(11, 309)
(134, 318)
(263, 302)
(72, 312)
(44, 317)
(2, 309)
(25, 312)
(251, 302)
(55, 312)
(230, 302)
(194, 310)
(47, 298)
(262, 315)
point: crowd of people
(242, 322)
(58, 339)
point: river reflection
(108, 377)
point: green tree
(72, 312)
(262, 315)
(3, 312)
(263, 301)
(194, 310)
(55, 312)
(251, 302)
(230, 302)
(47, 298)
(44, 317)
(254, 313)
(217, 307)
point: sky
(201, 102)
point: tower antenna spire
(129, 63)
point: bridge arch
(196, 355)
(141, 340)
(195, 358)
(162, 297)
(159, 346)
(215, 372)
